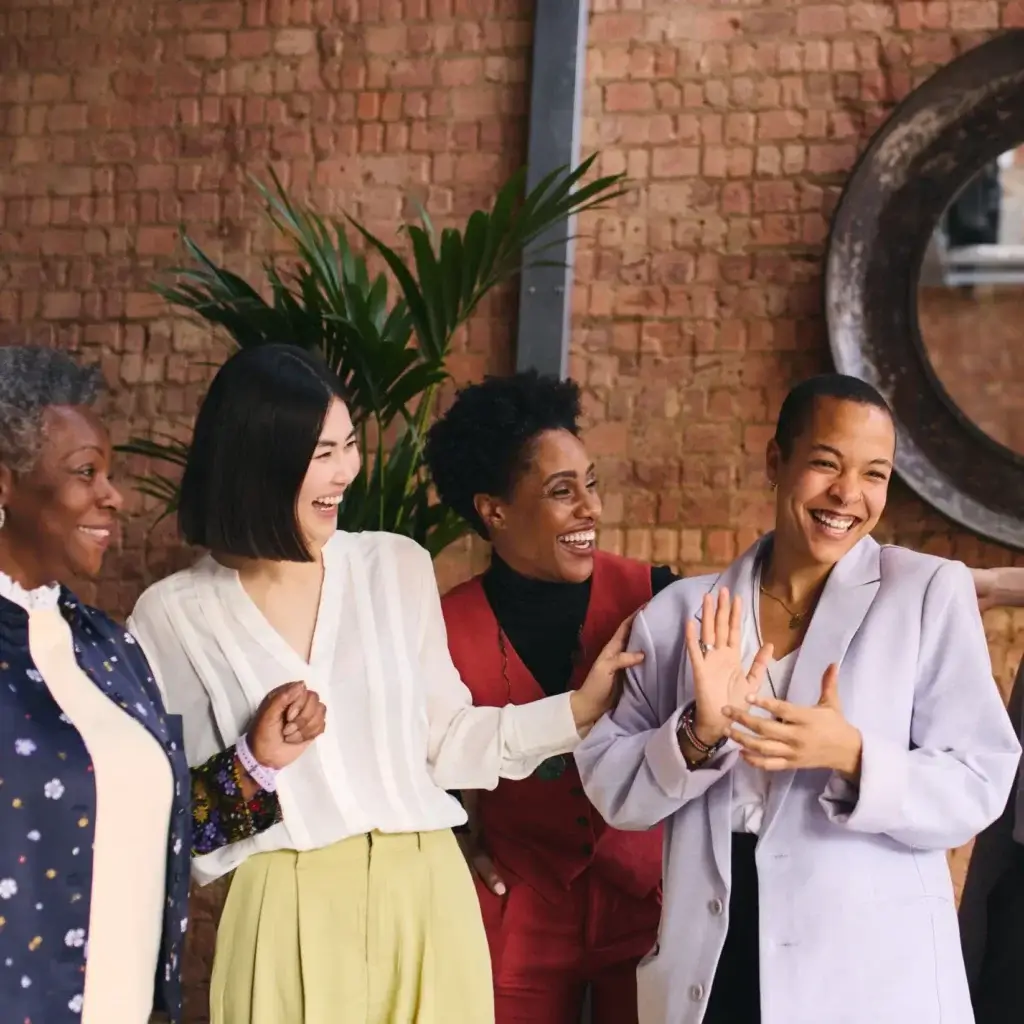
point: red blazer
(545, 831)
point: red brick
(628, 96)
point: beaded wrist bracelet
(686, 728)
(264, 777)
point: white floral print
(75, 938)
(54, 789)
(75, 1004)
(8, 888)
(25, 748)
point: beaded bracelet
(686, 727)
(264, 777)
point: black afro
(484, 441)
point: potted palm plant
(388, 348)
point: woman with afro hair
(568, 902)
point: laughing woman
(815, 744)
(357, 906)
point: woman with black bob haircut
(95, 829)
(357, 904)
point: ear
(773, 461)
(490, 510)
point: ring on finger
(704, 648)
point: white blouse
(750, 785)
(401, 725)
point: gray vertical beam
(556, 102)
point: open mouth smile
(833, 524)
(329, 503)
(579, 541)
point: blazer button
(588, 848)
(696, 993)
(716, 906)
(583, 820)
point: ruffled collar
(40, 599)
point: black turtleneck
(542, 620)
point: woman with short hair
(95, 830)
(357, 906)
(824, 729)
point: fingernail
(500, 889)
(727, 710)
(751, 698)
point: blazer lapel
(848, 594)
(737, 578)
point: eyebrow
(334, 444)
(84, 448)
(838, 454)
(566, 474)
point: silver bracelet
(264, 777)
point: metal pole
(556, 101)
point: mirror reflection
(970, 300)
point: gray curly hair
(32, 379)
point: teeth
(833, 522)
(333, 500)
(95, 531)
(581, 538)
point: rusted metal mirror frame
(934, 142)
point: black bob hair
(255, 435)
(484, 441)
(798, 406)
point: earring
(772, 485)
(3, 516)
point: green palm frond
(389, 350)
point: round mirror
(970, 300)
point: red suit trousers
(545, 952)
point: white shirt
(750, 785)
(401, 725)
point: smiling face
(546, 529)
(334, 466)
(833, 484)
(62, 515)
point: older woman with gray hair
(95, 823)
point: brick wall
(698, 300)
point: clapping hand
(797, 736)
(287, 721)
(719, 679)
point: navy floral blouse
(47, 788)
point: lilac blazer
(857, 918)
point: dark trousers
(736, 990)
(998, 994)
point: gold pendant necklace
(795, 618)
